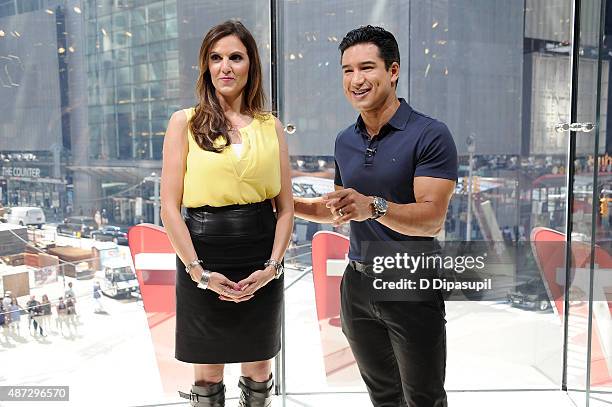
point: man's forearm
(312, 209)
(415, 219)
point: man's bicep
(338, 187)
(430, 189)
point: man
(395, 174)
(34, 311)
(6, 304)
(69, 293)
(97, 295)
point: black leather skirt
(235, 241)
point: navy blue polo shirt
(410, 145)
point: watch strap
(278, 267)
(193, 264)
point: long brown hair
(209, 122)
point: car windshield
(123, 274)
(89, 222)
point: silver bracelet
(193, 264)
(204, 280)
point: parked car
(531, 295)
(109, 233)
(26, 216)
(77, 226)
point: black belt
(232, 220)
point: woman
(15, 314)
(46, 313)
(3, 321)
(62, 312)
(226, 161)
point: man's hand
(348, 204)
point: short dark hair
(388, 49)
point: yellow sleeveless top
(220, 179)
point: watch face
(380, 204)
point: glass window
(139, 16)
(156, 11)
(170, 10)
(7, 8)
(141, 73)
(124, 94)
(157, 90)
(123, 75)
(141, 92)
(156, 30)
(24, 6)
(157, 51)
(173, 68)
(171, 28)
(121, 57)
(157, 70)
(139, 35)
(158, 109)
(139, 55)
(172, 89)
(121, 39)
(108, 96)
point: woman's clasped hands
(228, 290)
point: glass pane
(456, 58)
(584, 347)
(81, 133)
(593, 171)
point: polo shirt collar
(398, 121)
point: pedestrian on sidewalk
(3, 322)
(15, 313)
(70, 314)
(6, 301)
(45, 318)
(61, 310)
(70, 295)
(97, 296)
(34, 312)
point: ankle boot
(255, 394)
(206, 396)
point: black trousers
(399, 346)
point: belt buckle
(362, 268)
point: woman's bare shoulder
(180, 117)
(178, 123)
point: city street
(113, 349)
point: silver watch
(193, 264)
(379, 207)
(278, 267)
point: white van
(26, 216)
(119, 278)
